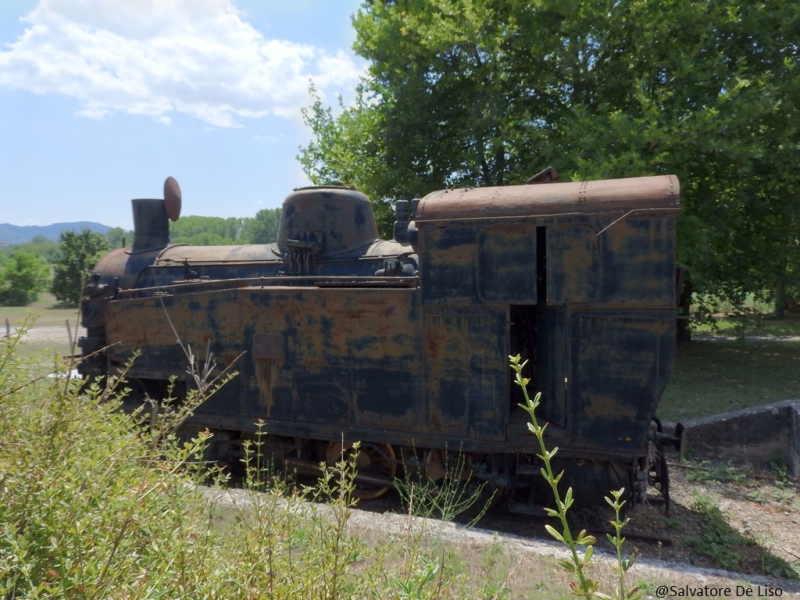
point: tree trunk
(780, 298)
(780, 290)
(683, 284)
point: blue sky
(101, 100)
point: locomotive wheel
(434, 466)
(438, 465)
(377, 460)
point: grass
(735, 364)
(713, 377)
(47, 313)
(757, 324)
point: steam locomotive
(403, 344)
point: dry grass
(50, 337)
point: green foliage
(206, 231)
(263, 228)
(80, 483)
(22, 277)
(455, 494)
(623, 564)
(717, 539)
(117, 235)
(78, 253)
(413, 588)
(214, 231)
(39, 246)
(469, 93)
(97, 503)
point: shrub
(97, 503)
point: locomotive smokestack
(150, 225)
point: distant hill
(22, 234)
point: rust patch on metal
(267, 353)
(266, 371)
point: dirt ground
(528, 558)
(759, 524)
(722, 516)
(49, 336)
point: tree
(206, 231)
(263, 228)
(79, 253)
(348, 150)
(117, 237)
(39, 246)
(469, 92)
(23, 277)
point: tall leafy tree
(487, 92)
(23, 277)
(117, 237)
(206, 231)
(39, 246)
(79, 253)
(263, 228)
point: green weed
(757, 496)
(576, 564)
(777, 567)
(717, 540)
(455, 493)
(785, 491)
(708, 471)
(675, 523)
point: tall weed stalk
(584, 587)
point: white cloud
(155, 57)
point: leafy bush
(717, 539)
(24, 275)
(97, 503)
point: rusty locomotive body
(404, 343)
